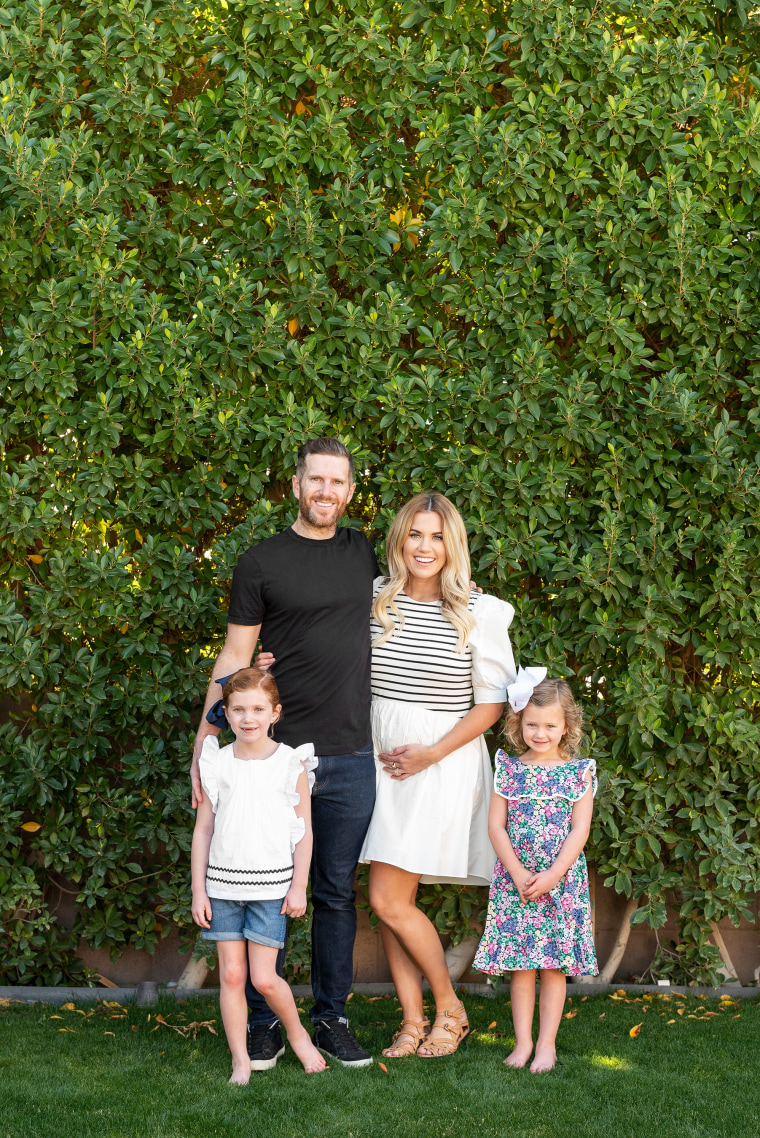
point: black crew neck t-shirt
(313, 600)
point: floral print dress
(554, 931)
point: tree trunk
(727, 971)
(459, 957)
(618, 950)
(194, 974)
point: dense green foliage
(506, 250)
(84, 1074)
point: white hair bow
(521, 690)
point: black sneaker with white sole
(333, 1037)
(265, 1045)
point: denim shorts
(260, 921)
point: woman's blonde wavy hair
(544, 694)
(455, 575)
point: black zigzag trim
(250, 872)
(252, 884)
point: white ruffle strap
(302, 757)
(209, 763)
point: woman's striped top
(420, 663)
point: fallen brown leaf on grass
(492, 1024)
(635, 1031)
(383, 1068)
(187, 1029)
(110, 1033)
(56, 1017)
(671, 1021)
(68, 1008)
(736, 1016)
(570, 1015)
(602, 1015)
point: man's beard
(315, 520)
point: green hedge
(506, 250)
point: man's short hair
(325, 445)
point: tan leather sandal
(449, 1031)
(407, 1039)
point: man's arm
(237, 653)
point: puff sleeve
(493, 665)
(209, 769)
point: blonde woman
(441, 663)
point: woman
(437, 649)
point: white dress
(256, 827)
(436, 822)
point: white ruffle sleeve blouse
(256, 827)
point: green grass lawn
(134, 1077)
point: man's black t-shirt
(313, 600)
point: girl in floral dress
(539, 910)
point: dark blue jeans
(341, 807)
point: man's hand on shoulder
(476, 588)
(204, 730)
(264, 660)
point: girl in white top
(437, 649)
(250, 860)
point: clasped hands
(531, 885)
(403, 762)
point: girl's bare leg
(279, 997)
(232, 975)
(523, 995)
(551, 1002)
(393, 894)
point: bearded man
(307, 592)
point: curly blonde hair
(544, 694)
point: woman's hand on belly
(403, 762)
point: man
(308, 592)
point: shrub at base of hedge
(503, 250)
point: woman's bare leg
(277, 993)
(551, 1002)
(407, 978)
(393, 894)
(233, 971)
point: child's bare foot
(545, 1060)
(312, 1060)
(520, 1055)
(241, 1073)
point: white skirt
(436, 822)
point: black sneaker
(265, 1045)
(333, 1037)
